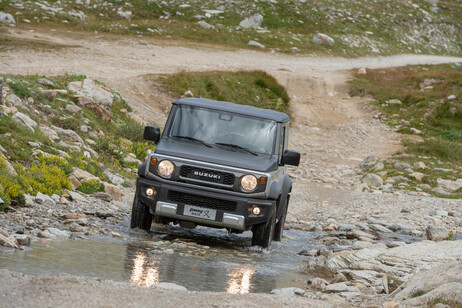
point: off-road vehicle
(217, 164)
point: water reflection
(144, 275)
(239, 281)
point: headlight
(249, 182)
(165, 168)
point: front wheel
(141, 216)
(262, 234)
(279, 230)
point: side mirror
(290, 158)
(152, 133)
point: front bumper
(232, 212)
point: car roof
(234, 108)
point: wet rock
(253, 43)
(22, 239)
(24, 121)
(170, 286)
(318, 267)
(437, 233)
(8, 242)
(254, 21)
(288, 291)
(373, 180)
(323, 39)
(54, 233)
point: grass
(90, 187)
(290, 25)
(254, 88)
(451, 304)
(8, 42)
(393, 283)
(48, 173)
(427, 109)
(417, 293)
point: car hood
(217, 155)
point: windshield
(224, 129)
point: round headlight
(165, 168)
(249, 182)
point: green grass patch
(451, 304)
(91, 186)
(255, 88)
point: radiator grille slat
(211, 203)
(207, 175)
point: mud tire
(279, 229)
(263, 234)
(141, 216)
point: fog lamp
(150, 192)
(256, 211)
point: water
(229, 265)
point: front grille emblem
(207, 175)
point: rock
(6, 19)
(380, 228)
(44, 199)
(362, 71)
(379, 167)
(319, 284)
(77, 196)
(14, 100)
(451, 97)
(437, 233)
(339, 278)
(79, 15)
(390, 305)
(22, 239)
(415, 131)
(417, 175)
(8, 242)
(102, 196)
(288, 291)
(24, 121)
(54, 233)
(45, 82)
(419, 165)
(254, 21)
(88, 88)
(69, 134)
(117, 235)
(170, 286)
(9, 166)
(443, 282)
(336, 287)
(323, 39)
(394, 102)
(125, 14)
(75, 182)
(50, 133)
(115, 179)
(73, 216)
(368, 161)
(204, 24)
(253, 43)
(104, 213)
(83, 176)
(449, 185)
(96, 109)
(373, 180)
(73, 108)
(113, 191)
(129, 159)
(438, 213)
(401, 165)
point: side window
(282, 142)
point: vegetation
(288, 26)
(451, 304)
(91, 186)
(43, 165)
(254, 88)
(393, 283)
(431, 102)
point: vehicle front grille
(207, 175)
(211, 203)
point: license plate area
(199, 212)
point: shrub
(131, 130)
(140, 149)
(91, 186)
(21, 89)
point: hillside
(380, 27)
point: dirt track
(332, 131)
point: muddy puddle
(200, 260)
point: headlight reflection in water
(144, 274)
(239, 280)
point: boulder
(96, 109)
(6, 19)
(362, 71)
(8, 242)
(288, 291)
(102, 196)
(401, 165)
(45, 82)
(90, 89)
(77, 197)
(170, 286)
(253, 43)
(73, 108)
(419, 165)
(22, 239)
(14, 100)
(395, 102)
(204, 24)
(68, 134)
(83, 176)
(9, 166)
(336, 287)
(254, 21)
(417, 175)
(50, 133)
(75, 182)
(435, 233)
(24, 121)
(373, 180)
(44, 199)
(115, 179)
(323, 39)
(449, 185)
(113, 191)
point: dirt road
(332, 131)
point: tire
(141, 216)
(279, 229)
(263, 234)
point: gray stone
(6, 19)
(368, 161)
(323, 39)
(204, 24)
(115, 179)
(77, 196)
(8, 242)
(14, 100)
(395, 102)
(253, 43)
(336, 287)
(44, 199)
(401, 165)
(9, 166)
(438, 213)
(449, 185)
(437, 233)
(254, 21)
(45, 82)
(419, 165)
(373, 180)
(50, 133)
(90, 89)
(288, 291)
(170, 286)
(68, 134)
(102, 196)
(55, 233)
(24, 121)
(22, 239)
(380, 228)
(73, 108)
(125, 14)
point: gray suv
(217, 164)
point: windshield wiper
(237, 147)
(194, 139)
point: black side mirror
(152, 133)
(290, 158)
